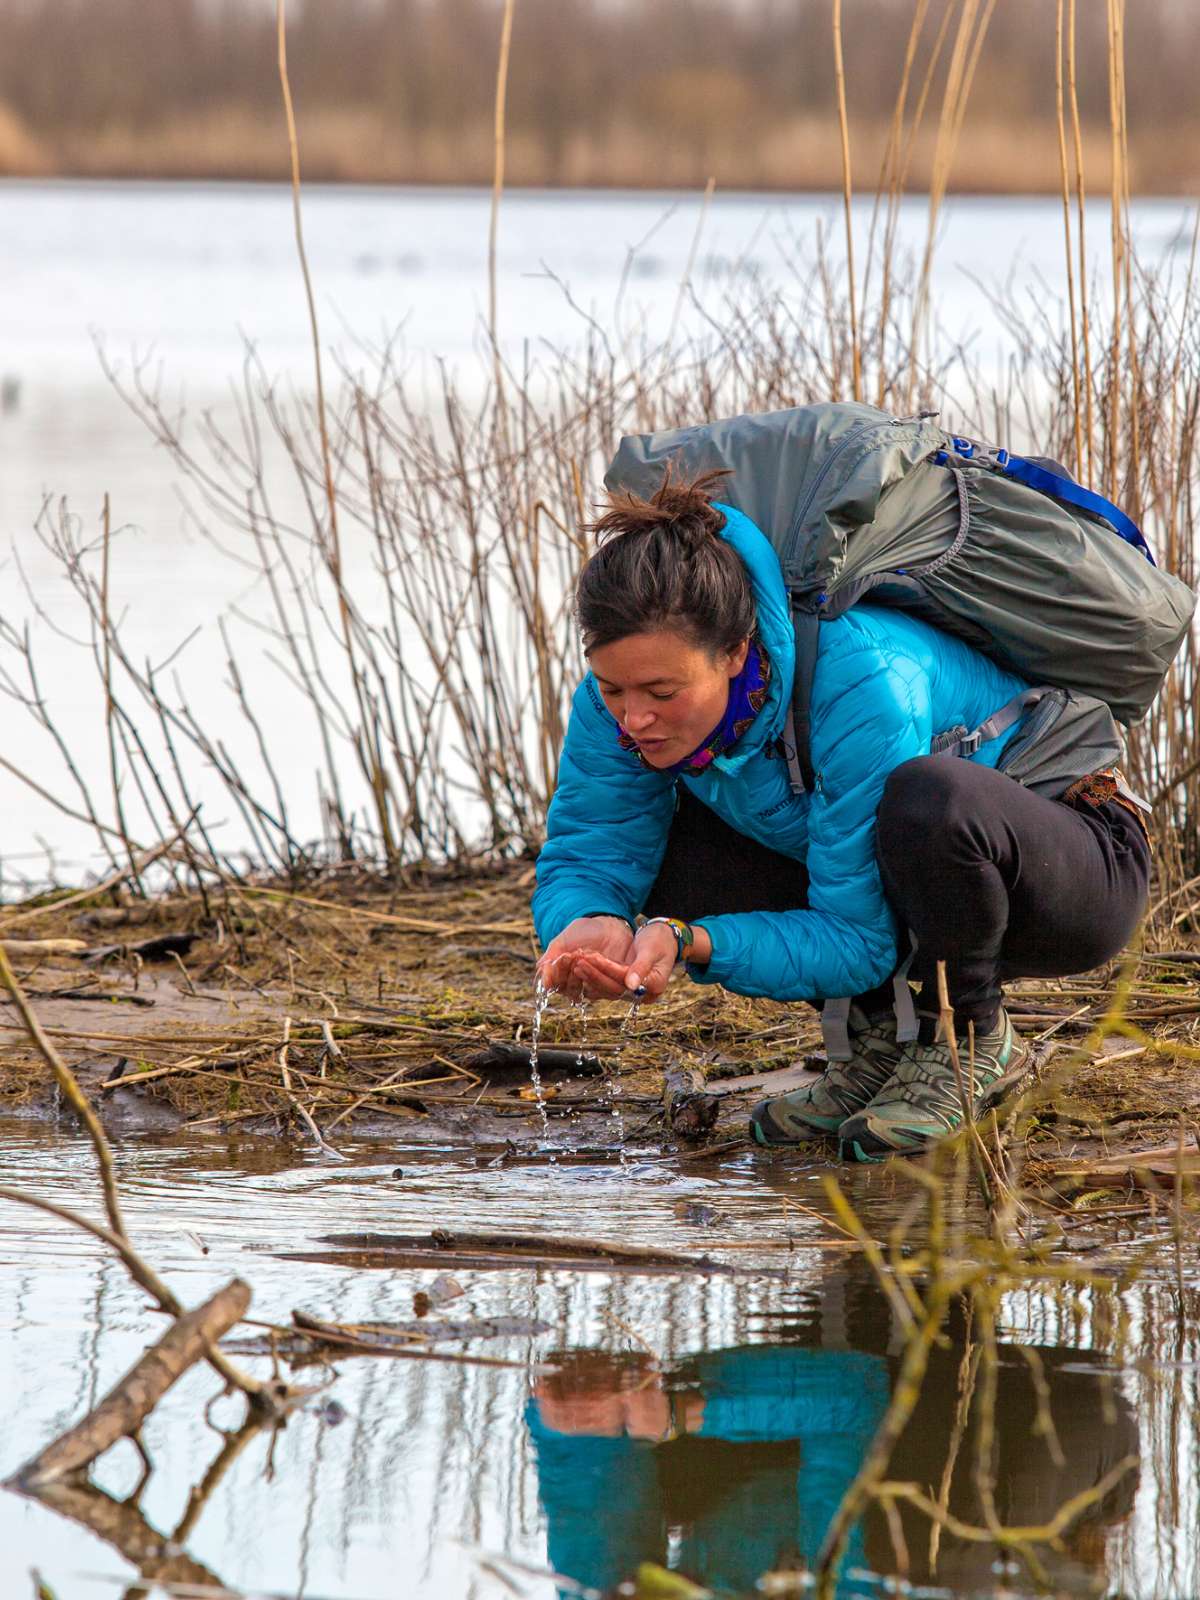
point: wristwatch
(685, 937)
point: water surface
(705, 1422)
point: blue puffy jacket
(885, 685)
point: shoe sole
(765, 1136)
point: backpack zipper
(805, 505)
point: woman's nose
(638, 717)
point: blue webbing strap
(1074, 494)
(1060, 487)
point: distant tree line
(623, 91)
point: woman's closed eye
(609, 694)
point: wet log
(385, 1337)
(691, 1111)
(126, 1406)
(486, 1250)
(1158, 1168)
(154, 949)
(501, 1055)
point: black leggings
(992, 879)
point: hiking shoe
(920, 1102)
(842, 1089)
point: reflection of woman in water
(732, 1463)
(746, 1451)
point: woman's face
(667, 693)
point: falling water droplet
(581, 1006)
(614, 1087)
(541, 1001)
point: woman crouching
(674, 804)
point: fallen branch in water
(124, 1528)
(487, 1250)
(265, 1398)
(122, 1411)
(159, 1558)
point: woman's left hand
(651, 963)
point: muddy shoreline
(401, 1014)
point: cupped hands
(600, 958)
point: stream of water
(705, 1422)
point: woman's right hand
(605, 936)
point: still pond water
(706, 1423)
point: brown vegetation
(356, 1007)
(659, 93)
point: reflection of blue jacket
(608, 1505)
(885, 685)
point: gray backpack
(1049, 579)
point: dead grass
(405, 1008)
(392, 991)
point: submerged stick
(130, 1401)
(122, 1526)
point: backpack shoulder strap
(806, 625)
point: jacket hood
(774, 631)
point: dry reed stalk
(839, 68)
(1080, 211)
(1068, 243)
(106, 673)
(964, 57)
(332, 548)
(1134, 470)
(685, 281)
(890, 180)
(1117, 241)
(498, 154)
(300, 1109)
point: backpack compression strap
(1059, 485)
(958, 742)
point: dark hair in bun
(662, 564)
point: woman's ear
(737, 657)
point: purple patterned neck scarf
(747, 696)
